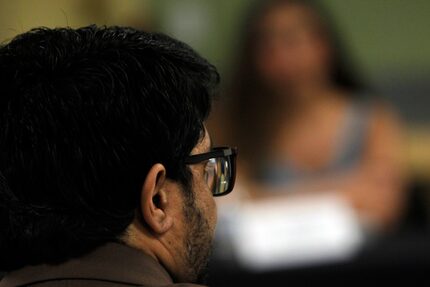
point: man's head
(96, 125)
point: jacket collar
(112, 261)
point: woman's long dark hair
(247, 105)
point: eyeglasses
(220, 168)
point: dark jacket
(111, 265)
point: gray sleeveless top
(350, 147)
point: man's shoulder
(110, 265)
(185, 285)
(86, 282)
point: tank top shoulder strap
(353, 135)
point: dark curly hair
(84, 114)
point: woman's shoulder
(377, 110)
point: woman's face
(291, 50)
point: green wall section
(386, 34)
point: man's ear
(154, 199)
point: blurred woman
(304, 123)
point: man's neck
(141, 239)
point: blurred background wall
(387, 40)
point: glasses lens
(223, 175)
(211, 173)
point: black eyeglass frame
(229, 153)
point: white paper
(277, 233)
